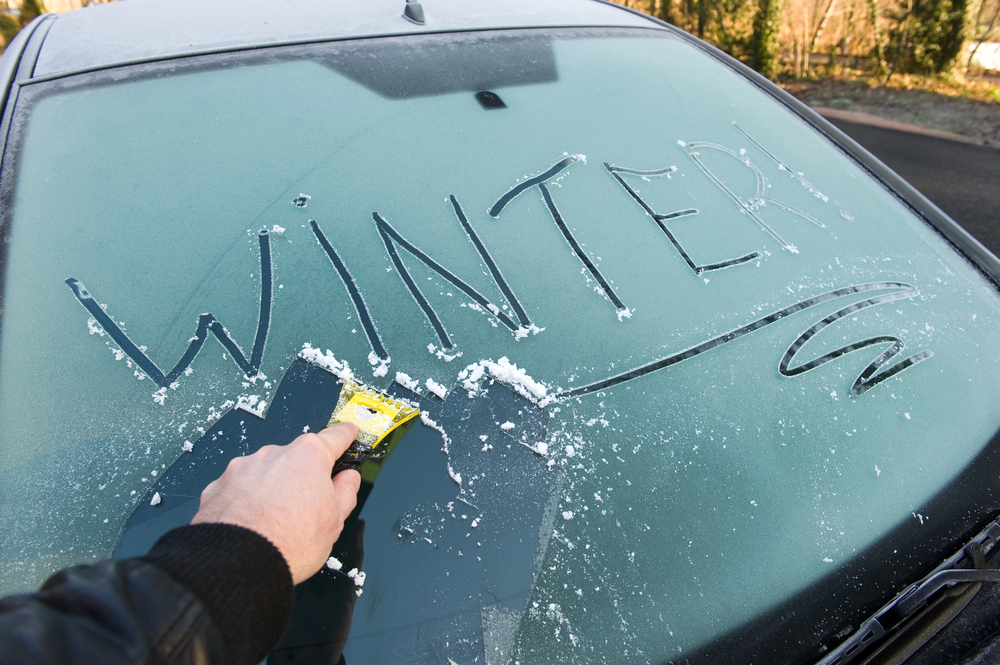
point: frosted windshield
(671, 344)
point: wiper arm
(967, 566)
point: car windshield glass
(679, 357)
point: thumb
(338, 438)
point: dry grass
(969, 107)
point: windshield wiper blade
(967, 566)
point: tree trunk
(805, 37)
(985, 38)
(764, 54)
(904, 40)
(822, 25)
(845, 41)
(954, 60)
(878, 51)
(702, 7)
(666, 11)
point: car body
(701, 380)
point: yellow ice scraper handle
(382, 421)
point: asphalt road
(960, 178)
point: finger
(339, 437)
(345, 490)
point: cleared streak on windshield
(391, 237)
(352, 289)
(540, 180)
(784, 167)
(749, 207)
(864, 381)
(591, 268)
(660, 219)
(522, 316)
(206, 322)
(404, 274)
(529, 183)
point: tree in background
(878, 50)
(30, 10)
(9, 26)
(732, 25)
(930, 35)
(884, 36)
(765, 55)
(726, 24)
(956, 62)
(983, 35)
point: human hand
(285, 494)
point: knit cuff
(239, 576)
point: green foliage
(727, 24)
(665, 10)
(30, 9)
(878, 50)
(730, 25)
(765, 55)
(931, 35)
(895, 37)
(9, 26)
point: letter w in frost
(392, 238)
(206, 323)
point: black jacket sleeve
(209, 593)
